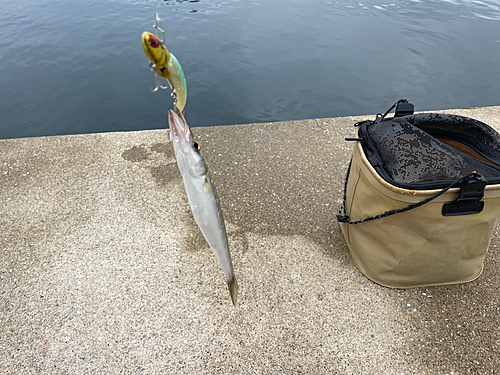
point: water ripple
(423, 9)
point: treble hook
(152, 67)
(158, 25)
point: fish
(201, 194)
(166, 65)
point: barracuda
(201, 194)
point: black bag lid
(414, 152)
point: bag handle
(403, 108)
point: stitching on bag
(352, 201)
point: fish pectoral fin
(208, 187)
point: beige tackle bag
(421, 198)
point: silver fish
(201, 194)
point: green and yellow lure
(165, 64)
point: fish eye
(153, 42)
(196, 146)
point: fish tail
(233, 289)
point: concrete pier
(103, 269)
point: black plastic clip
(342, 218)
(403, 108)
(469, 202)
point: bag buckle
(404, 108)
(469, 201)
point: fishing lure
(165, 64)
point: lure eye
(196, 146)
(153, 42)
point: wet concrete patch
(163, 148)
(158, 158)
(165, 174)
(136, 153)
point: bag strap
(469, 202)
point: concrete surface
(103, 269)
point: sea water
(71, 67)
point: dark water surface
(78, 67)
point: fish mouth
(171, 123)
(177, 123)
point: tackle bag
(421, 197)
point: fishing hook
(152, 67)
(158, 25)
